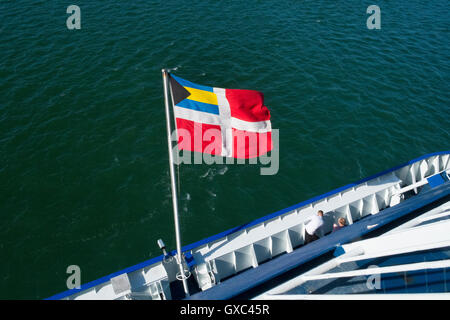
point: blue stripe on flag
(189, 84)
(199, 106)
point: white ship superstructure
(397, 240)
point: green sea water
(84, 176)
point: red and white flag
(224, 122)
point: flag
(225, 122)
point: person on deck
(341, 224)
(313, 228)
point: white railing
(252, 246)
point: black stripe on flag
(179, 93)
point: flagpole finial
(168, 70)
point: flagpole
(165, 75)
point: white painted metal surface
(405, 240)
